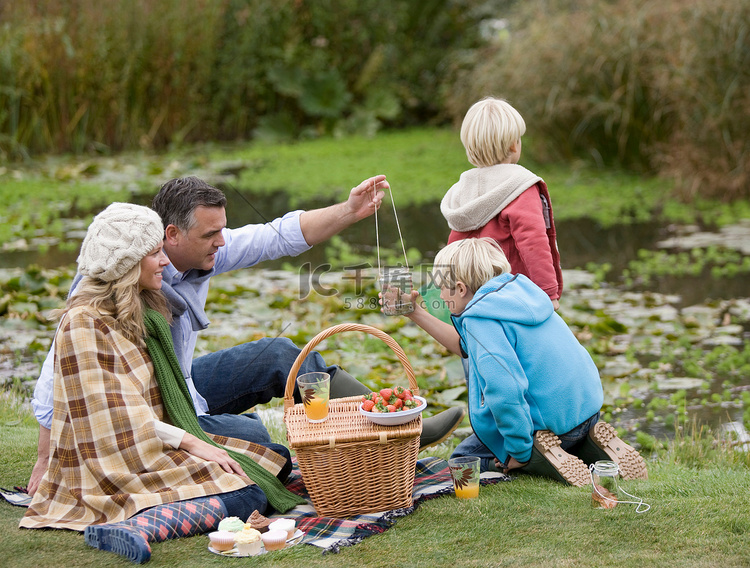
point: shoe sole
(120, 541)
(452, 429)
(571, 469)
(632, 465)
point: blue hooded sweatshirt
(527, 371)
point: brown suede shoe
(605, 439)
(548, 459)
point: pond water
(580, 242)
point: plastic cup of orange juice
(314, 388)
(465, 474)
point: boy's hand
(405, 298)
(413, 297)
(513, 463)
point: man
(226, 383)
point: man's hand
(36, 476)
(42, 460)
(366, 197)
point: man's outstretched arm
(319, 225)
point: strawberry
(391, 408)
(386, 394)
(379, 407)
(400, 392)
(398, 403)
(368, 405)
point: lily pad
(678, 383)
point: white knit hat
(117, 239)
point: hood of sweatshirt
(512, 298)
(481, 193)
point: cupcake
(286, 525)
(231, 524)
(258, 521)
(274, 540)
(221, 540)
(248, 542)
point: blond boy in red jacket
(502, 200)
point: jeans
(471, 446)
(247, 426)
(242, 502)
(571, 439)
(235, 379)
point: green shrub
(142, 74)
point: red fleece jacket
(531, 246)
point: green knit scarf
(179, 406)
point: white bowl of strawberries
(391, 407)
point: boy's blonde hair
(490, 128)
(471, 261)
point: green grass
(698, 518)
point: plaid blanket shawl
(106, 461)
(432, 479)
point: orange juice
(316, 408)
(470, 491)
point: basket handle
(387, 339)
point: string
(377, 235)
(619, 489)
(398, 227)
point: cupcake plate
(234, 553)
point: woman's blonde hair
(122, 299)
(490, 128)
(471, 261)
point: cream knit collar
(481, 193)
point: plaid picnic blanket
(432, 479)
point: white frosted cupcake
(274, 539)
(286, 525)
(221, 540)
(248, 542)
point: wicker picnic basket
(351, 466)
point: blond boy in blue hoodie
(534, 391)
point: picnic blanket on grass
(432, 479)
(16, 496)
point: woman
(128, 463)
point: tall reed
(663, 87)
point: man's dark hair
(178, 198)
